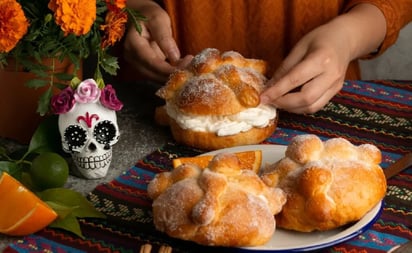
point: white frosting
(225, 125)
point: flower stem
(53, 68)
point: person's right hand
(153, 53)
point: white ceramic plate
(290, 241)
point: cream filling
(258, 117)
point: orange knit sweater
(268, 29)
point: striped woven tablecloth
(378, 112)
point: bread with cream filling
(214, 103)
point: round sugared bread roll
(214, 103)
(328, 184)
(222, 205)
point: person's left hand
(312, 73)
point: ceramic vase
(18, 103)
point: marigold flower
(13, 24)
(74, 16)
(114, 27)
(114, 5)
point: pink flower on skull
(63, 102)
(87, 92)
(109, 99)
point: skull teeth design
(93, 162)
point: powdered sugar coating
(205, 56)
(329, 183)
(221, 89)
(202, 91)
(216, 84)
(223, 205)
(231, 54)
(219, 93)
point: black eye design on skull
(75, 136)
(104, 132)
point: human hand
(153, 53)
(311, 74)
(315, 69)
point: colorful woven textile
(363, 112)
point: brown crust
(216, 83)
(210, 141)
(221, 205)
(329, 184)
(206, 96)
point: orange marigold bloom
(74, 16)
(13, 24)
(114, 27)
(116, 4)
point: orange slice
(251, 160)
(21, 211)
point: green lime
(49, 170)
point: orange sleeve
(397, 14)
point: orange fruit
(21, 212)
(251, 160)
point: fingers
(161, 32)
(311, 98)
(295, 56)
(290, 77)
(305, 87)
(154, 52)
(182, 63)
(146, 57)
(158, 26)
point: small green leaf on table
(70, 205)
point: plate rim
(375, 212)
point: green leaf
(64, 76)
(39, 71)
(3, 152)
(71, 198)
(136, 17)
(59, 85)
(36, 83)
(75, 82)
(44, 102)
(109, 64)
(100, 83)
(11, 168)
(46, 138)
(26, 181)
(62, 210)
(68, 223)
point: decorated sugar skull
(88, 126)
